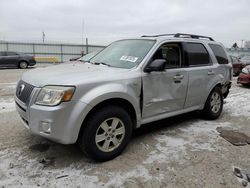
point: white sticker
(129, 58)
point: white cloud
(104, 21)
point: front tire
(106, 133)
(214, 104)
(23, 65)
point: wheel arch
(218, 84)
(121, 102)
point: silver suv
(129, 83)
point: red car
(237, 65)
(244, 77)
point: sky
(71, 21)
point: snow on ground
(18, 168)
(29, 173)
(7, 105)
(10, 84)
(238, 102)
(189, 138)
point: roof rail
(161, 35)
(181, 35)
(184, 35)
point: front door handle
(210, 72)
(178, 77)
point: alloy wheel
(110, 134)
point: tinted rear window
(219, 53)
(197, 54)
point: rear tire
(214, 104)
(106, 133)
(23, 65)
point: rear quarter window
(197, 54)
(219, 53)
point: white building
(247, 44)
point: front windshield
(124, 53)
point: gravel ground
(184, 151)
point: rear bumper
(226, 88)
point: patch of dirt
(47, 161)
(234, 137)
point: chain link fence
(59, 52)
(239, 52)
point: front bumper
(32, 62)
(64, 120)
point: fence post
(7, 46)
(33, 48)
(87, 46)
(61, 53)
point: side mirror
(156, 65)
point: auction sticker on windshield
(129, 58)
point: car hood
(72, 74)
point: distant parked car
(245, 60)
(16, 59)
(237, 65)
(244, 77)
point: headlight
(245, 70)
(54, 95)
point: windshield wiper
(83, 61)
(100, 63)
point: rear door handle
(210, 72)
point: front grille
(23, 91)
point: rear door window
(2, 54)
(11, 53)
(219, 53)
(197, 54)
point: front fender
(129, 92)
